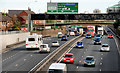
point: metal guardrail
(11, 32)
(49, 57)
(83, 22)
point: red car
(110, 36)
(69, 58)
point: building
(5, 22)
(114, 9)
(96, 11)
(22, 15)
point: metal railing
(11, 32)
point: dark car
(64, 38)
(97, 41)
(77, 34)
(67, 34)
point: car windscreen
(89, 58)
(55, 71)
(43, 46)
(79, 42)
(97, 35)
(104, 45)
(31, 39)
(88, 34)
(54, 42)
(69, 56)
(98, 39)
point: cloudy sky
(40, 6)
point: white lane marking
(100, 63)
(16, 65)
(100, 70)
(86, 49)
(77, 66)
(101, 54)
(24, 59)
(101, 58)
(82, 56)
(31, 55)
(84, 52)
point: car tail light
(26, 44)
(36, 44)
(71, 59)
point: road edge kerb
(50, 56)
(118, 46)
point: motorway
(105, 61)
(20, 59)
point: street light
(29, 17)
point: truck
(100, 30)
(91, 30)
(33, 41)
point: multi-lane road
(20, 59)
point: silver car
(105, 47)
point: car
(77, 34)
(105, 47)
(72, 33)
(67, 34)
(55, 43)
(110, 36)
(68, 58)
(97, 41)
(98, 36)
(89, 61)
(60, 34)
(88, 35)
(64, 38)
(79, 44)
(44, 48)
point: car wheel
(84, 65)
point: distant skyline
(40, 6)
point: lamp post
(30, 23)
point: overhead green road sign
(62, 7)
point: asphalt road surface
(20, 59)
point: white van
(33, 41)
(57, 68)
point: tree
(116, 24)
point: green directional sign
(76, 25)
(62, 7)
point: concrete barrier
(9, 39)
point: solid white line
(115, 40)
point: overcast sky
(40, 6)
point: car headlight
(64, 59)
(93, 63)
(71, 59)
